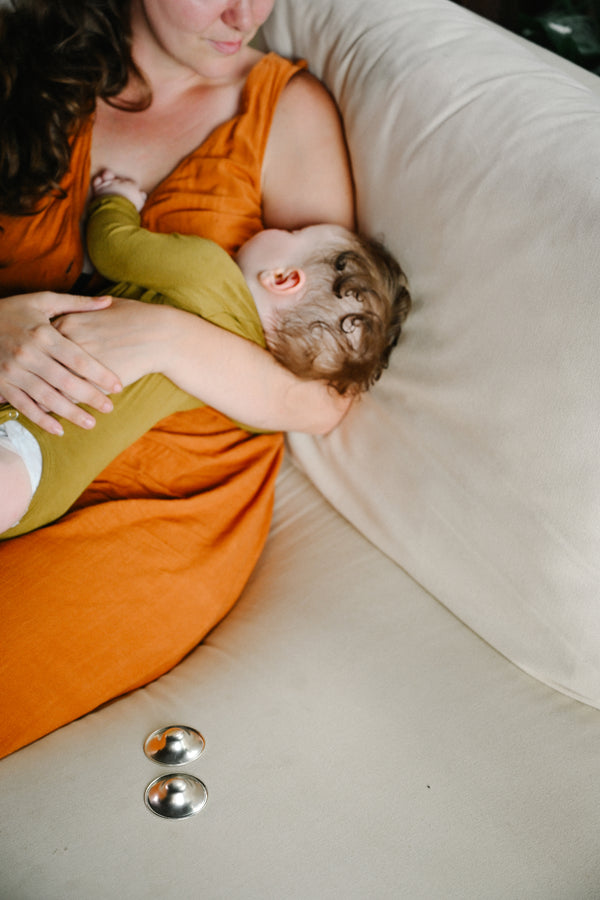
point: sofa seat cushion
(360, 742)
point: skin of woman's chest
(147, 145)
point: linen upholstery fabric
(474, 463)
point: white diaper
(15, 437)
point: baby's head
(331, 303)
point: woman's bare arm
(224, 370)
(262, 393)
(306, 172)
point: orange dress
(159, 548)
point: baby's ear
(282, 281)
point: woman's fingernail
(58, 430)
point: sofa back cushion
(474, 462)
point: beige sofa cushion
(474, 463)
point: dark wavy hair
(349, 320)
(56, 58)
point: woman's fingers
(80, 375)
(42, 371)
(62, 365)
(51, 305)
(21, 401)
(36, 398)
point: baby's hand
(106, 182)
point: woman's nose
(238, 15)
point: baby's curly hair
(349, 319)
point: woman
(223, 140)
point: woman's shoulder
(298, 92)
(306, 174)
(297, 103)
(266, 84)
(270, 72)
(305, 95)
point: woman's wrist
(163, 330)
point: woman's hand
(42, 371)
(128, 336)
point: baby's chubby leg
(15, 488)
(20, 468)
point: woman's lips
(227, 48)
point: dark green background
(570, 28)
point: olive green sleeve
(192, 272)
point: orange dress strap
(228, 165)
(158, 549)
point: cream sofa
(404, 703)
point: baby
(326, 303)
